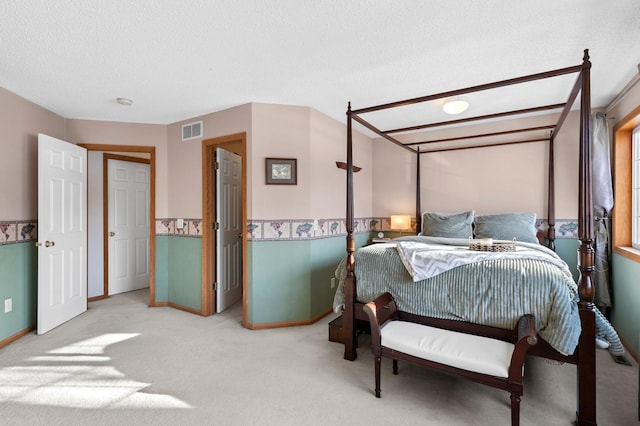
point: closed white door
(62, 232)
(128, 225)
(229, 233)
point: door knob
(112, 234)
(49, 243)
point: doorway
(237, 144)
(150, 152)
(126, 222)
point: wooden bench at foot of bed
(486, 360)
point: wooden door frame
(151, 150)
(208, 217)
(105, 210)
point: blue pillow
(521, 226)
(456, 225)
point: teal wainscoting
(184, 271)
(162, 268)
(290, 281)
(279, 276)
(325, 256)
(625, 314)
(567, 249)
(18, 282)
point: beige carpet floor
(122, 363)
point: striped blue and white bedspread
(494, 290)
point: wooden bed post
(551, 206)
(418, 207)
(348, 329)
(586, 414)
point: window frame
(635, 187)
(623, 175)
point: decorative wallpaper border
(18, 231)
(309, 229)
(169, 226)
(23, 231)
(565, 228)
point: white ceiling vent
(192, 131)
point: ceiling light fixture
(455, 106)
(124, 101)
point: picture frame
(281, 171)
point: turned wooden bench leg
(377, 368)
(515, 410)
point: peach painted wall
(328, 183)
(185, 164)
(115, 133)
(281, 131)
(317, 142)
(394, 180)
(20, 123)
(488, 180)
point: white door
(62, 232)
(229, 233)
(128, 225)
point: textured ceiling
(180, 59)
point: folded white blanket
(429, 257)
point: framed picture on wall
(281, 171)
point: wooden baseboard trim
(288, 323)
(95, 298)
(16, 336)
(321, 315)
(184, 308)
(159, 305)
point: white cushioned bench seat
(465, 351)
(496, 362)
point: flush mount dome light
(124, 101)
(455, 106)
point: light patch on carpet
(77, 376)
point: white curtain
(602, 205)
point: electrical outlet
(333, 282)
(8, 305)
